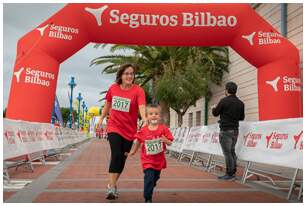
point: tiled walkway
(82, 177)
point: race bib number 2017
(153, 146)
(121, 104)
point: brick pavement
(82, 177)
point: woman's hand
(134, 149)
(144, 123)
(142, 111)
(100, 123)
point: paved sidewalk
(82, 177)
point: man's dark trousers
(228, 140)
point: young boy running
(153, 139)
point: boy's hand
(128, 154)
(164, 139)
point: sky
(19, 19)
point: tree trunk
(180, 119)
(206, 111)
(165, 113)
(154, 101)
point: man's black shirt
(231, 110)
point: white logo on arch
(17, 74)
(42, 29)
(250, 38)
(274, 83)
(97, 13)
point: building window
(198, 118)
(190, 120)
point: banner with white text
(21, 138)
(275, 142)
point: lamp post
(72, 84)
(79, 98)
(86, 110)
(53, 118)
(83, 106)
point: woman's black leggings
(119, 146)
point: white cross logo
(97, 13)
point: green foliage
(65, 114)
(148, 92)
(181, 89)
(213, 61)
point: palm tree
(214, 61)
(148, 58)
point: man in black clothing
(231, 110)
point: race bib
(121, 104)
(153, 146)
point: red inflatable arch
(41, 51)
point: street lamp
(86, 110)
(72, 84)
(79, 98)
(83, 106)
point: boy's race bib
(153, 146)
(121, 104)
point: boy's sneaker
(148, 201)
(226, 177)
(111, 193)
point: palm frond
(103, 92)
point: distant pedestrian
(98, 132)
(231, 111)
(154, 137)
